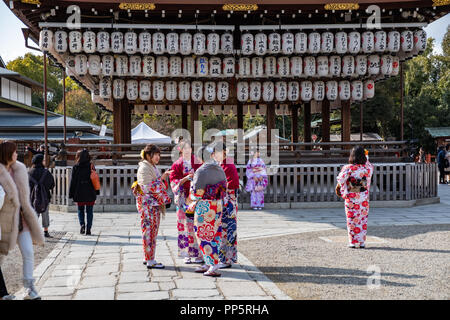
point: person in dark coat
(441, 164)
(82, 190)
(37, 173)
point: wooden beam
(121, 121)
(193, 118)
(345, 121)
(46, 155)
(307, 123)
(326, 122)
(184, 116)
(361, 121)
(294, 124)
(270, 120)
(401, 102)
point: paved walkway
(108, 264)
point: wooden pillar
(326, 122)
(361, 121)
(345, 121)
(64, 105)
(46, 155)
(240, 151)
(121, 121)
(184, 116)
(307, 124)
(294, 124)
(194, 117)
(270, 121)
(401, 102)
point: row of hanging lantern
(282, 91)
(131, 42)
(177, 109)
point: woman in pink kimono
(354, 186)
(180, 181)
(256, 181)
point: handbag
(2, 197)
(95, 178)
(337, 190)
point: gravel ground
(413, 263)
(12, 264)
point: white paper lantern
(361, 65)
(210, 91)
(369, 89)
(420, 40)
(395, 66)
(215, 67)
(283, 66)
(135, 65)
(357, 88)
(293, 91)
(145, 90)
(172, 43)
(199, 46)
(340, 42)
(202, 66)
(95, 65)
(247, 43)
(162, 66)
(196, 91)
(158, 90)
(301, 42)
(296, 66)
(185, 43)
(213, 43)
(309, 66)
(368, 42)
(331, 90)
(380, 41)
(103, 42)
(226, 43)
(122, 65)
(242, 91)
(260, 44)
(148, 67)
(268, 91)
(105, 88)
(393, 41)
(322, 66)
(319, 90)
(314, 42)
(175, 66)
(184, 90)
(407, 40)
(60, 41)
(117, 42)
(257, 67)
(274, 43)
(158, 43)
(270, 66)
(287, 43)
(130, 42)
(132, 90)
(306, 90)
(223, 91)
(354, 42)
(327, 40)
(81, 66)
(107, 65)
(386, 64)
(188, 66)
(348, 66)
(145, 42)
(118, 89)
(244, 67)
(228, 66)
(334, 66)
(171, 90)
(373, 64)
(45, 40)
(255, 90)
(344, 90)
(75, 44)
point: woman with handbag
(354, 186)
(256, 181)
(150, 191)
(82, 189)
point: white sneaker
(31, 292)
(8, 297)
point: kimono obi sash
(355, 185)
(215, 191)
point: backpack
(39, 195)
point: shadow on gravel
(407, 249)
(401, 232)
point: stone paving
(108, 264)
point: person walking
(4, 295)
(441, 164)
(182, 173)
(18, 220)
(256, 181)
(150, 191)
(82, 190)
(41, 185)
(354, 186)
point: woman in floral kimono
(206, 200)
(354, 186)
(150, 191)
(182, 173)
(256, 181)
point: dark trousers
(441, 174)
(3, 291)
(89, 214)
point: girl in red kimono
(180, 181)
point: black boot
(88, 232)
(82, 230)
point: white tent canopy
(144, 134)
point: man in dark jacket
(37, 173)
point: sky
(12, 44)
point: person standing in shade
(441, 164)
(40, 177)
(256, 181)
(354, 186)
(150, 191)
(82, 190)
(180, 181)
